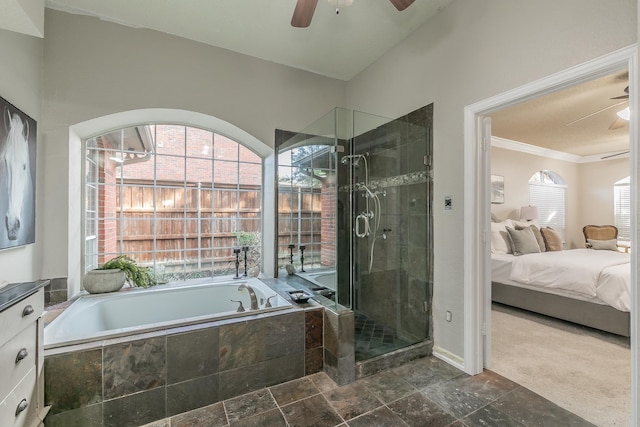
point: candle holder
(302, 248)
(237, 252)
(245, 249)
(291, 246)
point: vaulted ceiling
(576, 120)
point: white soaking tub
(96, 317)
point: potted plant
(111, 276)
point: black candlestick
(245, 249)
(291, 246)
(302, 248)
(237, 252)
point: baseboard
(448, 357)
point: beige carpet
(582, 370)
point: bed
(585, 286)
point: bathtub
(325, 279)
(98, 317)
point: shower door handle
(359, 218)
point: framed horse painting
(18, 134)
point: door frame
(477, 268)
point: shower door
(388, 168)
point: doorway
(477, 217)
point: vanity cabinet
(21, 355)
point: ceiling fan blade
(402, 4)
(594, 113)
(303, 13)
(617, 124)
(614, 155)
(626, 90)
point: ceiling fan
(303, 13)
(620, 121)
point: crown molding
(535, 150)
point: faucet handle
(240, 307)
(268, 304)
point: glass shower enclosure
(354, 221)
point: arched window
(547, 191)
(176, 198)
(622, 208)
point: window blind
(622, 202)
(550, 200)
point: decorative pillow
(608, 245)
(524, 224)
(523, 241)
(536, 233)
(552, 240)
(499, 237)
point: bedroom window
(622, 206)
(178, 199)
(547, 191)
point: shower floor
(374, 339)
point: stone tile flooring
(374, 339)
(424, 392)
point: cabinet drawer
(19, 315)
(25, 393)
(17, 357)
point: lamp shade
(529, 213)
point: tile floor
(424, 392)
(374, 339)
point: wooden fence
(200, 226)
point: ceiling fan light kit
(624, 114)
(303, 13)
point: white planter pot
(101, 281)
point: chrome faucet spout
(252, 295)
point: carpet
(583, 370)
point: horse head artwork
(16, 165)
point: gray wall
(21, 85)
(471, 51)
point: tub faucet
(252, 295)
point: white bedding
(586, 274)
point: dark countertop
(16, 292)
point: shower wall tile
(418, 237)
(192, 394)
(134, 366)
(241, 344)
(135, 409)
(192, 355)
(73, 380)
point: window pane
(225, 173)
(170, 140)
(224, 148)
(153, 196)
(199, 143)
(248, 156)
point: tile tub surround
(423, 392)
(137, 381)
